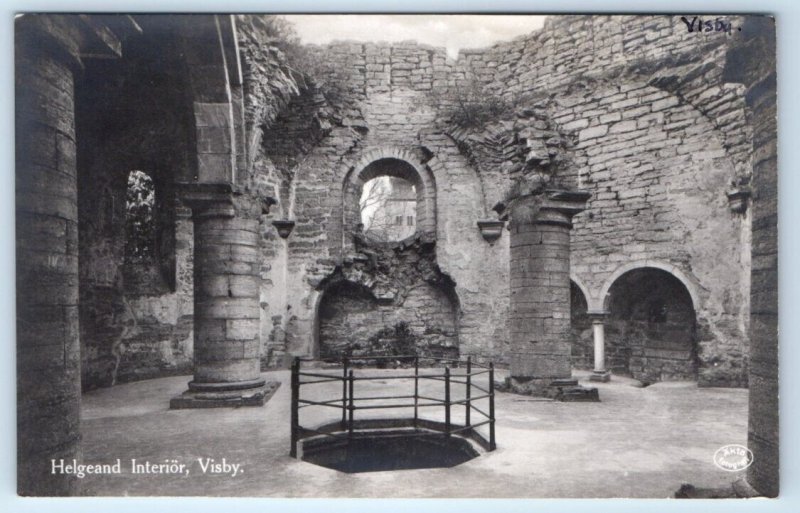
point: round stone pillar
(540, 291)
(599, 334)
(48, 348)
(226, 307)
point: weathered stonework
(665, 140)
(752, 62)
(48, 350)
(655, 140)
(135, 317)
(227, 347)
(650, 331)
(48, 357)
(388, 300)
(539, 316)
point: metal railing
(349, 403)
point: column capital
(551, 206)
(598, 316)
(209, 200)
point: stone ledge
(564, 390)
(257, 396)
(600, 376)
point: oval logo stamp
(733, 457)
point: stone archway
(651, 328)
(395, 163)
(388, 299)
(600, 303)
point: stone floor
(637, 442)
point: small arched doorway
(651, 333)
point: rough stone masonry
(557, 175)
(634, 114)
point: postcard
(396, 256)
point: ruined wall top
(566, 48)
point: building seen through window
(388, 209)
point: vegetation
(139, 220)
(467, 105)
(310, 68)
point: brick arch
(400, 163)
(600, 303)
(653, 324)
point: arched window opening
(140, 229)
(388, 207)
(389, 200)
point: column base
(600, 376)
(561, 389)
(224, 395)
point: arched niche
(352, 321)
(651, 328)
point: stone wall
(646, 124)
(136, 322)
(631, 109)
(658, 141)
(386, 120)
(353, 323)
(135, 315)
(658, 176)
(133, 324)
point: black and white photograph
(396, 255)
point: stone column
(751, 61)
(599, 335)
(48, 349)
(540, 290)
(226, 304)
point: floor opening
(397, 451)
